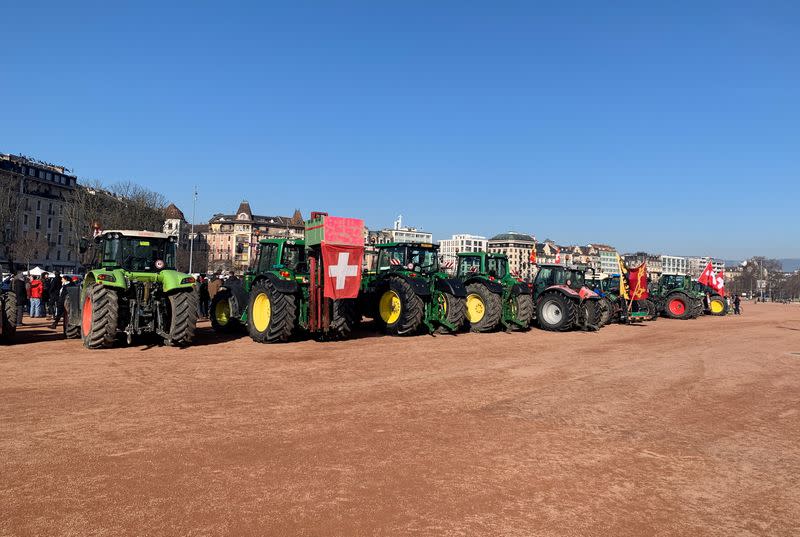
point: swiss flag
(342, 267)
(710, 278)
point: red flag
(342, 266)
(710, 278)
(532, 256)
(558, 254)
(637, 282)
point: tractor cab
(495, 266)
(550, 275)
(286, 255)
(136, 251)
(670, 282)
(421, 258)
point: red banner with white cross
(710, 278)
(342, 270)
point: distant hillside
(790, 265)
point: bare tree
(10, 211)
(29, 246)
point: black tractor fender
(288, 287)
(520, 289)
(453, 286)
(419, 285)
(238, 299)
(493, 287)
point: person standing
(204, 297)
(53, 291)
(20, 289)
(737, 304)
(63, 289)
(37, 288)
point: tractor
(563, 302)
(277, 257)
(407, 290)
(494, 296)
(676, 298)
(134, 290)
(615, 306)
(308, 285)
(713, 302)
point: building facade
(674, 264)
(232, 238)
(517, 246)
(449, 248)
(33, 222)
(653, 261)
(698, 264)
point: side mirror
(83, 245)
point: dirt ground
(668, 428)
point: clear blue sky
(672, 127)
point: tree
(29, 246)
(10, 212)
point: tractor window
(423, 260)
(294, 258)
(391, 258)
(469, 265)
(576, 278)
(496, 267)
(267, 257)
(139, 253)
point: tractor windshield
(468, 265)
(267, 257)
(425, 260)
(294, 258)
(571, 278)
(496, 267)
(416, 258)
(138, 253)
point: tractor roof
(410, 244)
(300, 242)
(487, 254)
(137, 233)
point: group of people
(40, 296)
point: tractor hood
(169, 279)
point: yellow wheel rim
(389, 307)
(262, 312)
(476, 309)
(222, 312)
(717, 306)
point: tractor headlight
(106, 278)
(189, 279)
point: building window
(38, 205)
(49, 176)
(31, 172)
(38, 222)
(49, 223)
(41, 174)
(25, 219)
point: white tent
(35, 271)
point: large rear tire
(271, 315)
(482, 308)
(71, 331)
(717, 306)
(589, 315)
(606, 309)
(523, 310)
(9, 315)
(679, 306)
(99, 316)
(344, 317)
(222, 319)
(400, 310)
(453, 312)
(182, 318)
(555, 312)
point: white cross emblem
(341, 270)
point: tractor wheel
(606, 309)
(454, 310)
(555, 312)
(589, 315)
(271, 315)
(222, 320)
(183, 318)
(8, 315)
(717, 306)
(679, 306)
(483, 308)
(71, 331)
(344, 318)
(400, 310)
(652, 310)
(99, 317)
(523, 307)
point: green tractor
(494, 296)
(276, 257)
(713, 302)
(134, 290)
(676, 298)
(614, 306)
(563, 301)
(407, 290)
(308, 285)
